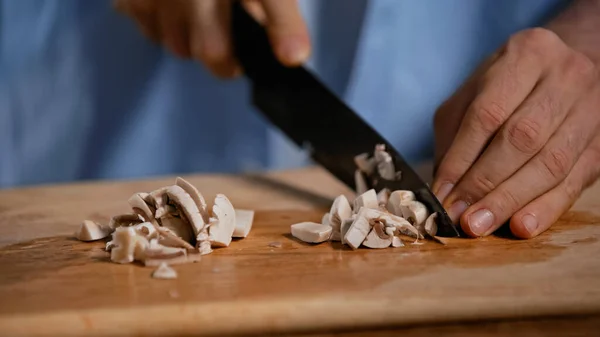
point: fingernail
(443, 192)
(481, 221)
(293, 50)
(530, 223)
(456, 210)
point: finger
(210, 39)
(506, 84)
(537, 216)
(174, 27)
(287, 31)
(542, 173)
(448, 116)
(527, 130)
(256, 10)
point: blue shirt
(83, 95)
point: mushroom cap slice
(396, 199)
(92, 231)
(345, 226)
(170, 239)
(186, 206)
(416, 213)
(196, 196)
(377, 237)
(396, 242)
(360, 182)
(179, 227)
(383, 196)
(164, 272)
(366, 200)
(141, 208)
(243, 223)
(430, 227)
(220, 231)
(340, 211)
(311, 232)
(125, 220)
(359, 229)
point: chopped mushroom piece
(92, 231)
(340, 211)
(396, 199)
(396, 242)
(383, 196)
(377, 237)
(416, 213)
(124, 245)
(243, 223)
(143, 209)
(164, 272)
(430, 226)
(385, 164)
(221, 230)
(366, 200)
(179, 227)
(196, 196)
(360, 182)
(186, 205)
(170, 239)
(125, 220)
(345, 226)
(359, 229)
(311, 232)
(365, 164)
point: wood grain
(47, 278)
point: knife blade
(313, 117)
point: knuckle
(482, 185)
(572, 191)
(557, 163)
(489, 117)
(580, 65)
(508, 202)
(536, 40)
(525, 136)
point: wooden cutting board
(51, 284)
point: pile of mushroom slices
(171, 225)
(374, 220)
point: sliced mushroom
(196, 196)
(220, 231)
(396, 199)
(345, 226)
(92, 231)
(141, 208)
(396, 242)
(340, 211)
(186, 205)
(125, 220)
(360, 182)
(146, 230)
(326, 219)
(243, 223)
(416, 213)
(366, 200)
(383, 196)
(170, 239)
(124, 244)
(311, 232)
(335, 236)
(365, 164)
(430, 226)
(203, 242)
(377, 237)
(179, 227)
(359, 229)
(385, 164)
(164, 272)
(167, 210)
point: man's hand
(200, 29)
(521, 139)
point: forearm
(579, 27)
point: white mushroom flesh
(430, 226)
(92, 231)
(311, 232)
(377, 237)
(196, 196)
(164, 272)
(385, 164)
(360, 182)
(396, 199)
(365, 164)
(416, 213)
(220, 231)
(340, 211)
(243, 223)
(366, 200)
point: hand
(200, 29)
(521, 139)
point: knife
(313, 117)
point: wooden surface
(51, 284)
